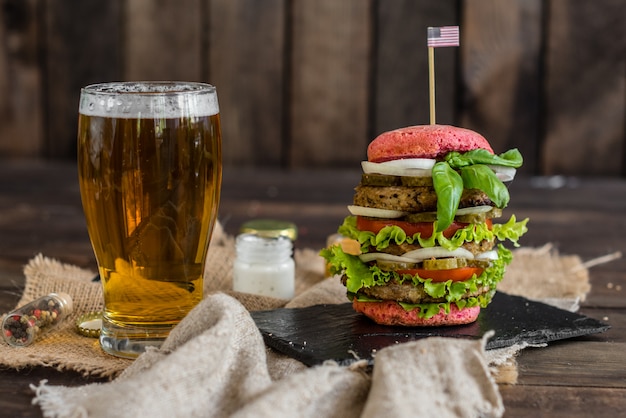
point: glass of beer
(150, 171)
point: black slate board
(336, 332)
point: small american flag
(443, 36)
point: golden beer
(149, 160)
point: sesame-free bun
(424, 141)
(389, 312)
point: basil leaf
(448, 186)
(481, 177)
(511, 158)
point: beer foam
(144, 100)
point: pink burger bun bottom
(389, 312)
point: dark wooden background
(310, 83)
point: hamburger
(424, 215)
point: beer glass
(150, 170)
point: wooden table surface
(40, 212)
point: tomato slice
(456, 275)
(424, 228)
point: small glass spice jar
(264, 266)
(25, 324)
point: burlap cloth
(215, 362)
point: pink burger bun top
(424, 141)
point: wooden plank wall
(310, 83)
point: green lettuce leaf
(428, 310)
(342, 263)
(392, 234)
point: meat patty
(412, 199)
(474, 247)
(407, 292)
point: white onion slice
(367, 257)
(504, 173)
(422, 167)
(437, 252)
(487, 255)
(474, 209)
(396, 169)
(376, 212)
(425, 163)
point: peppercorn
(27, 323)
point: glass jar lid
(270, 228)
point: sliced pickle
(471, 218)
(421, 217)
(474, 218)
(444, 263)
(381, 180)
(394, 265)
(384, 180)
(411, 181)
(483, 264)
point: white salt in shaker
(264, 266)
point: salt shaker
(264, 266)
(25, 324)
